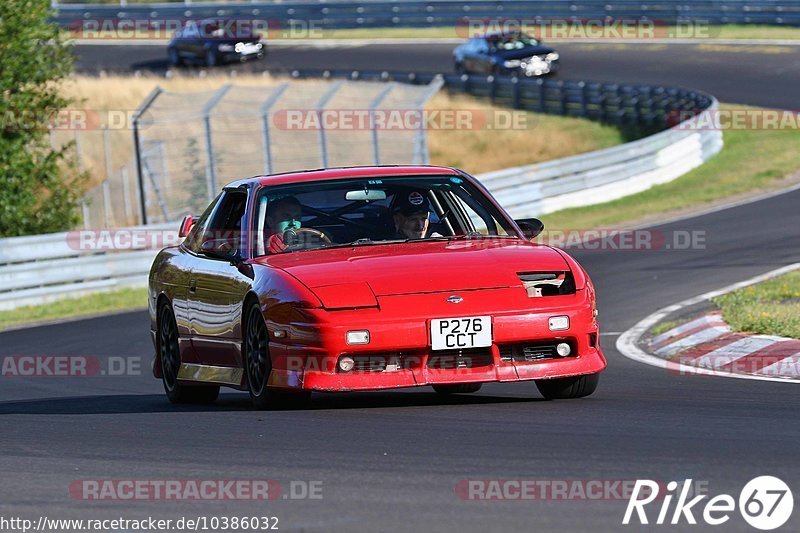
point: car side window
(225, 225)
(472, 216)
(193, 240)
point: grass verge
(663, 327)
(752, 161)
(95, 304)
(768, 308)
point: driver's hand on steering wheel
(275, 243)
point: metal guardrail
(43, 268)
(40, 269)
(422, 13)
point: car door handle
(193, 285)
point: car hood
(523, 53)
(420, 267)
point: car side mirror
(220, 249)
(531, 227)
(186, 225)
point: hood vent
(539, 284)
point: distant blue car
(512, 53)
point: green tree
(39, 186)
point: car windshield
(512, 42)
(378, 211)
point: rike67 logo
(765, 503)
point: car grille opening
(530, 352)
(455, 359)
(381, 362)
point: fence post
(79, 151)
(421, 155)
(515, 93)
(376, 152)
(126, 194)
(323, 101)
(85, 210)
(211, 171)
(108, 215)
(107, 152)
(264, 112)
(137, 151)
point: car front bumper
(399, 352)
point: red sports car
(367, 278)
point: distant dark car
(505, 53)
(214, 43)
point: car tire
(258, 366)
(211, 58)
(174, 57)
(257, 360)
(170, 361)
(565, 388)
(461, 388)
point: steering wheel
(290, 236)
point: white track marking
(627, 342)
(779, 368)
(704, 335)
(683, 328)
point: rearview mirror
(372, 195)
(531, 227)
(186, 225)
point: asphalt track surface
(766, 76)
(391, 460)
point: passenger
(411, 214)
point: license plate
(460, 333)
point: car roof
(322, 174)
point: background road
(745, 74)
(391, 460)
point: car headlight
(553, 56)
(512, 63)
(225, 48)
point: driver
(283, 214)
(411, 214)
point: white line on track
(627, 344)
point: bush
(39, 186)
